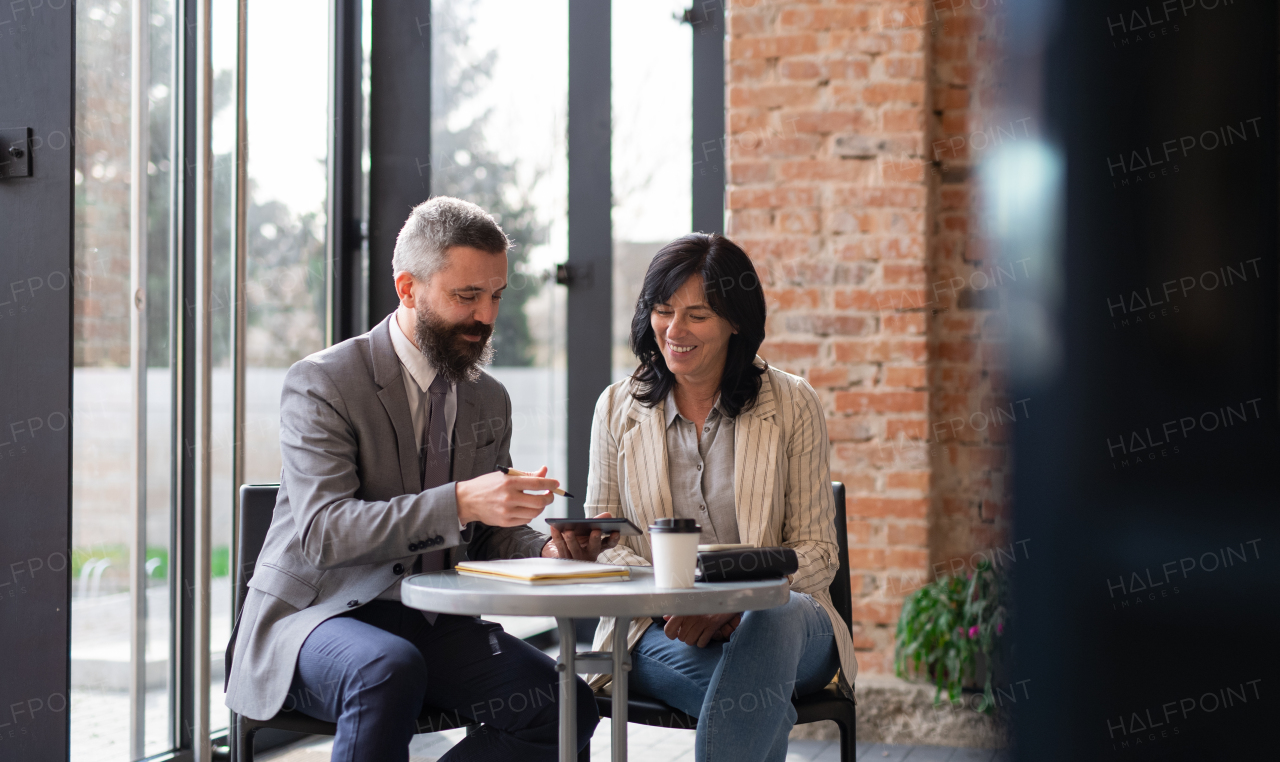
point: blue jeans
(741, 690)
(372, 670)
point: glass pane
(222, 491)
(288, 154)
(500, 84)
(104, 409)
(652, 149)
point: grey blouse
(701, 473)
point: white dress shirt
(418, 375)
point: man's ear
(404, 288)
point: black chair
(826, 704)
(257, 504)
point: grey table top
(448, 592)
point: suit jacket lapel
(755, 465)
(464, 439)
(387, 374)
(644, 449)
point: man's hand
(701, 630)
(570, 545)
(500, 500)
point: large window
(499, 95)
(652, 149)
(286, 286)
(123, 387)
(124, 390)
(499, 90)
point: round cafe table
(448, 592)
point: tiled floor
(100, 664)
(100, 719)
(100, 723)
(646, 744)
(100, 713)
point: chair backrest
(257, 506)
(840, 590)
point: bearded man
(390, 442)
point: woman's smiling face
(693, 339)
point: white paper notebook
(544, 571)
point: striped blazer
(781, 489)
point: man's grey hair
(436, 225)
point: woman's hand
(701, 630)
(726, 631)
(579, 548)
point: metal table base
(449, 593)
(568, 666)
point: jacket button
(398, 569)
(439, 539)
(352, 604)
(413, 546)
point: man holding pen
(391, 443)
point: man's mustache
(483, 330)
(443, 345)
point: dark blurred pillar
(707, 21)
(1145, 337)
(588, 272)
(345, 238)
(37, 283)
(399, 135)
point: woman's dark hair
(733, 291)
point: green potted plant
(950, 630)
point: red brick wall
(971, 415)
(833, 192)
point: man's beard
(453, 357)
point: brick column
(829, 193)
(972, 418)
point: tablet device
(584, 526)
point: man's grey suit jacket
(351, 506)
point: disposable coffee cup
(675, 552)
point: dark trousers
(371, 672)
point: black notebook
(745, 564)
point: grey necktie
(435, 457)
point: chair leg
(584, 755)
(848, 747)
(242, 750)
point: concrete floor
(646, 744)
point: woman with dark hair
(705, 429)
